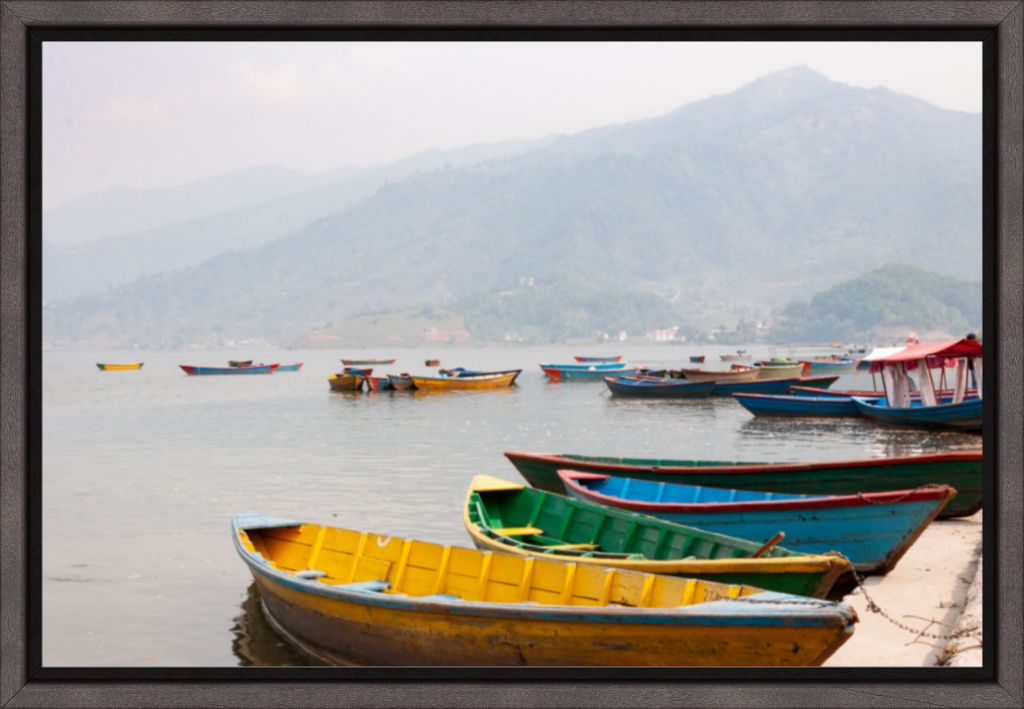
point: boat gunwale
(775, 609)
(920, 494)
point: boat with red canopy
(927, 410)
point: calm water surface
(143, 470)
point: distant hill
(157, 231)
(783, 187)
(894, 298)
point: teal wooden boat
(507, 517)
(958, 469)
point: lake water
(142, 471)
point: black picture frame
(24, 25)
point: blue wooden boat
(658, 388)
(797, 405)
(194, 370)
(697, 359)
(289, 367)
(965, 416)
(591, 360)
(830, 365)
(873, 530)
(595, 366)
(770, 386)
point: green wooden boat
(958, 469)
(508, 517)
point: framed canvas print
(528, 355)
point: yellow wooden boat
(347, 597)
(346, 381)
(480, 381)
(108, 367)
(507, 517)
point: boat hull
(612, 358)
(351, 362)
(872, 530)
(965, 416)
(400, 383)
(289, 367)
(652, 389)
(702, 375)
(960, 470)
(793, 405)
(771, 372)
(106, 367)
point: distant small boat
(401, 382)
(483, 381)
(432, 363)
(374, 599)
(510, 518)
(795, 405)
(873, 530)
(830, 364)
(110, 367)
(239, 362)
(593, 372)
(379, 383)
(463, 372)
(610, 358)
(193, 370)
(350, 362)
(959, 469)
(365, 371)
(289, 367)
(658, 388)
(737, 374)
(697, 359)
(740, 356)
(346, 381)
(768, 372)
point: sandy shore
(930, 583)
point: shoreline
(934, 588)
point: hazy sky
(125, 114)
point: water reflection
(255, 642)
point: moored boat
(958, 469)
(965, 415)
(401, 382)
(872, 530)
(112, 367)
(432, 363)
(739, 356)
(463, 372)
(347, 381)
(591, 372)
(591, 359)
(288, 367)
(658, 388)
(697, 359)
(351, 597)
(771, 372)
(379, 383)
(771, 386)
(483, 381)
(508, 517)
(796, 405)
(360, 362)
(830, 364)
(193, 370)
(736, 374)
(928, 409)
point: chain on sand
(874, 608)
